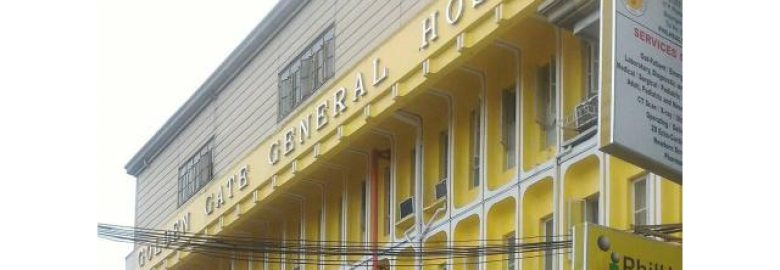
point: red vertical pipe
(375, 208)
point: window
(472, 260)
(643, 200)
(363, 211)
(195, 173)
(546, 103)
(476, 146)
(549, 232)
(412, 171)
(319, 225)
(387, 200)
(510, 241)
(306, 73)
(592, 209)
(591, 68)
(444, 153)
(341, 219)
(508, 126)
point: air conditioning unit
(586, 113)
(441, 189)
(407, 207)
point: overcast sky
(152, 56)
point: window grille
(195, 173)
(546, 109)
(306, 73)
(508, 126)
(640, 211)
(476, 146)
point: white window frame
(306, 73)
(341, 222)
(590, 68)
(195, 173)
(547, 103)
(388, 199)
(475, 151)
(509, 133)
(511, 260)
(586, 207)
(364, 212)
(548, 236)
(444, 153)
(651, 199)
(413, 171)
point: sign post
(601, 248)
(641, 93)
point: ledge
(405, 222)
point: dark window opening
(195, 173)
(306, 73)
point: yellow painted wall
(500, 222)
(671, 202)
(500, 71)
(581, 180)
(537, 205)
(274, 230)
(405, 136)
(437, 241)
(383, 237)
(538, 44)
(466, 233)
(621, 174)
(405, 262)
(621, 201)
(433, 110)
(466, 98)
(312, 225)
(332, 215)
(572, 77)
(293, 223)
(357, 175)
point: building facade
(396, 124)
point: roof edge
(240, 56)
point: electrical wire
(321, 252)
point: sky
(152, 55)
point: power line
(321, 252)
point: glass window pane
(640, 192)
(194, 173)
(510, 255)
(443, 154)
(387, 200)
(548, 232)
(306, 73)
(412, 171)
(640, 217)
(331, 51)
(341, 219)
(476, 150)
(363, 209)
(592, 209)
(508, 127)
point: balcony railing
(583, 120)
